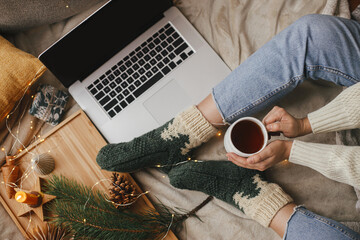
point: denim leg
(315, 46)
(305, 224)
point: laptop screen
(100, 37)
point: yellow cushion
(18, 70)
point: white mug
(228, 142)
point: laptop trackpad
(167, 102)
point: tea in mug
(247, 136)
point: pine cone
(122, 192)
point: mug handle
(273, 134)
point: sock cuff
(270, 204)
(197, 124)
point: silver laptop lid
(99, 37)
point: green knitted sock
(164, 146)
(244, 188)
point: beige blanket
(235, 29)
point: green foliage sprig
(88, 214)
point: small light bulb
(219, 133)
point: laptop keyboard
(134, 74)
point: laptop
(133, 65)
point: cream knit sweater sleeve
(341, 113)
(340, 163)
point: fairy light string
(17, 141)
(179, 163)
(128, 204)
(38, 140)
(169, 227)
(16, 137)
(108, 200)
(28, 226)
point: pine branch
(70, 191)
(100, 219)
(91, 223)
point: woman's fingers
(274, 127)
(274, 115)
(260, 164)
(273, 153)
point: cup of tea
(245, 137)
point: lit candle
(28, 198)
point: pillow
(18, 70)
(19, 15)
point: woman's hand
(279, 120)
(273, 153)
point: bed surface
(235, 29)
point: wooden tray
(73, 144)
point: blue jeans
(304, 224)
(315, 47)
